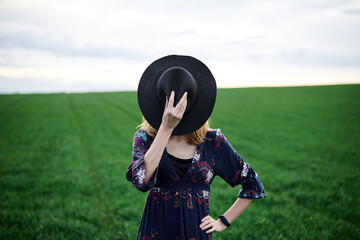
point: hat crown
(179, 80)
(180, 74)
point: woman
(176, 156)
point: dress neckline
(180, 159)
(197, 151)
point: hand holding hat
(173, 115)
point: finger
(205, 218)
(207, 224)
(166, 102)
(171, 99)
(211, 230)
(206, 227)
(180, 108)
(184, 97)
(204, 223)
(182, 101)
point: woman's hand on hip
(212, 225)
(173, 115)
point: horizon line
(127, 90)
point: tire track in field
(94, 174)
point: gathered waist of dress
(183, 185)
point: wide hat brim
(151, 106)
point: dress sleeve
(231, 167)
(136, 170)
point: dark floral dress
(174, 207)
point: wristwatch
(224, 220)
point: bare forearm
(236, 209)
(171, 117)
(153, 155)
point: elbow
(138, 180)
(142, 185)
(143, 189)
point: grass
(63, 159)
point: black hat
(179, 74)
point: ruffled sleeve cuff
(251, 194)
(252, 188)
(137, 177)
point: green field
(63, 159)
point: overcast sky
(77, 46)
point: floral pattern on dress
(174, 207)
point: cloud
(355, 12)
(64, 46)
(249, 40)
(306, 58)
(82, 42)
(10, 85)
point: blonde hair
(196, 137)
